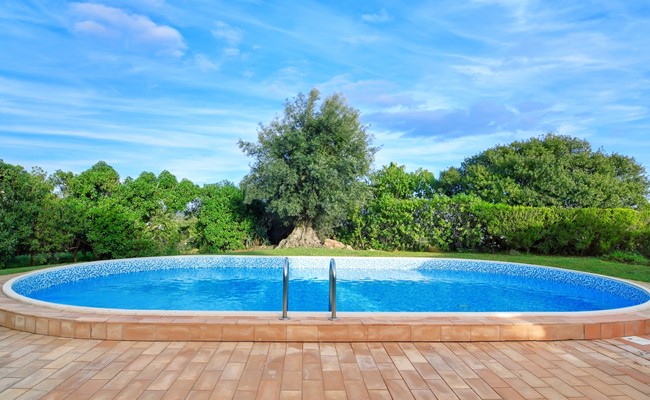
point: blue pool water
(364, 284)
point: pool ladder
(285, 290)
(333, 289)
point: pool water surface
(364, 285)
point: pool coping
(316, 327)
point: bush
(516, 227)
(466, 223)
(114, 231)
(627, 257)
(641, 235)
(222, 222)
(415, 224)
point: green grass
(586, 264)
(9, 271)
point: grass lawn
(586, 264)
(9, 271)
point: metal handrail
(332, 307)
(285, 289)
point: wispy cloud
(482, 117)
(223, 31)
(204, 64)
(376, 18)
(114, 23)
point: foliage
(627, 257)
(555, 230)
(553, 170)
(50, 234)
(223, 223)
(463, 223)
(75, 224)
(114, 231)
(142, 195)
(21, 199)
(157, 204)
(393, 181)
(101, 180)
(440, 223)
(515, 228)
(95, 213)
(311, 168)
(309, 164)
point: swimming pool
(228, 283)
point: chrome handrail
(332, 306)
(285, 289)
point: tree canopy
(309, 164)
(553, 170)
(394, 181)
(96, 215)
(22, 196)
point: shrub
(414, 224)
(627, 257)
(466, 223)
(222, 223)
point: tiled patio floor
(34, 366)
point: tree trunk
(303, 235)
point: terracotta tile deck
(34, 366)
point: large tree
(99, 181)
(553, 170)
(309, 165)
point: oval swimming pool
(233, 283)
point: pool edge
(315, 327)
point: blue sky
(148, 85)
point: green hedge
(464, 223)
(390, 224)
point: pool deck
(316, 327)
(35, 366)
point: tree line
(405, 213)
(311, 179)
(96, 215)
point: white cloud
(381, 16)
(92, 28)
(231, 52)
(203, 63)
(232, 36)
(100, 20)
